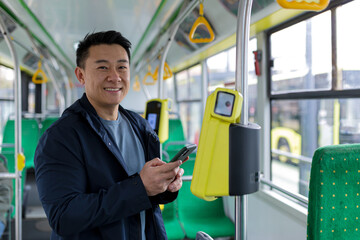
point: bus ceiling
(152, 19)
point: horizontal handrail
(296, 196)
(290, 155)
(8, 175)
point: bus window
(301, 56)
(191, 120)
(348, 64)
(6, 82)
(221, 69)
(188, 84)
(188, 95)
(313, 83)
(6, 95)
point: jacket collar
(84, 108)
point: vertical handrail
(242, 40)
(66, 80)
(17, 93)
(52, 77)
(241, 85)
(173, 30)
(57, 88)
(162, 61)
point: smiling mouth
(112, 89)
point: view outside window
(188, 84)
(6, 83)
(6, 95)
(301, 56)
(302, 62)
(191, 119)
(348, 48)
(188, 95)
(221, 69)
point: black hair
(93, 39)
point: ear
(80, 75)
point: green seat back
(199, 215)
(46, 123)
(173, 227)
(172, 224)
(334, 193)
(29, 139)
(176, 139)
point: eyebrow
(106, 61)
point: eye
(102, 67)
(122, 67)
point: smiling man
(97, 168)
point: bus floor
(35, 225)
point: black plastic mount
(244, 159)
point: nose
(114, 75)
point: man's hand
(157, 175)
(177, 183)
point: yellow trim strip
(267, 22)
(10, 64)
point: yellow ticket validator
(157, 114)
(312, 5)
(211, 170)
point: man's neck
(108, 115)
(106, 112)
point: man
(97, 168)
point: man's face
(106, 76)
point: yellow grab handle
(149, 74)
(136, 85)
(167, 72)
(201, 20)
(38, 72)
(20, 161)
(313, 5)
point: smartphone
(184, 153)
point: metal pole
(17, 90)
(241, 85)
(162, 61)
(52, 77)
(57, 88)
(181, 17)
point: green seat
(176, 139)
(29, 139)
(46, 123)
(334, 193)
(196, 214)
(173, 227)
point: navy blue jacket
(83, 182)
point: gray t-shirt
(131, 150)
